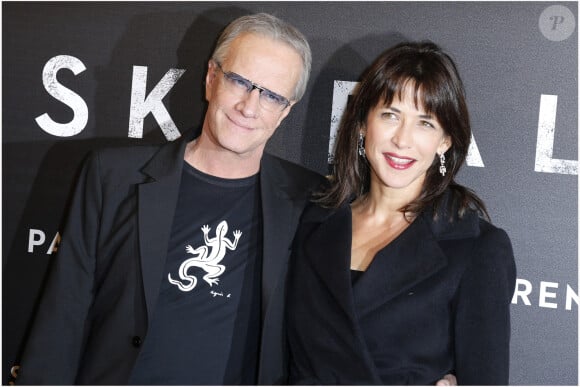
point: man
(172, 267)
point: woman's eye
(389, 115)
(427, 124)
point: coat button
(136, 341)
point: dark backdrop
(518, 61)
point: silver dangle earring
(361, 145)
(442, 168)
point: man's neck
(218, 162)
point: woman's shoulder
(315, 213)
(321, 223)
(494, 238)
(469, 225)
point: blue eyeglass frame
(282, 101)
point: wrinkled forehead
(265, 61)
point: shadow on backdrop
(346, 64)
(49, 196)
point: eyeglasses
(268, 99)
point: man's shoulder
(315, 213)
(296, 180)
(291, 170)
(125, 157)
(124, 153)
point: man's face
(236, 121)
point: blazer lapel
(280, 217)
(328, 249)
(157, 199)
(281, 209)
(414, 256)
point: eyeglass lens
(268, 99)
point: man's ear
(210, 79)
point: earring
(361, 145)
(442, 168)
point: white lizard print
(206, 257)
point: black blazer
(436, 300)
(106, 276)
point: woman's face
(401, 142)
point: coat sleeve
(54, 346)
(482, 319)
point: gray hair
(269, 26)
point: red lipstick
(398, 162)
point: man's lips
(399, 162)
(240, 124)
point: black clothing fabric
(434, 301)
(104, 282)
(211, 274)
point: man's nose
(250, 104)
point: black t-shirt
(206, 325)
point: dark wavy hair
(439, 90)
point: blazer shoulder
(474, 241)
(315, 215)
(117, 156)
(154, 160)
(492, 253)
(140, 153)
(489, 233)
(494, 238)
(291, 173)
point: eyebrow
(258, 85)
(423, 116)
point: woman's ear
(362, 129)
(445, 145)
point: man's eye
(271, 97)
(239, 81)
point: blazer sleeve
(53, 349)
(482, 318)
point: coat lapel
(280, 218)
(328, 249)
(157, 198)
(410, 259)
(282, 202)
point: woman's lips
(399, 162)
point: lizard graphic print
(206, 257)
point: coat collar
(158, 197)
(281, 210)
(410, 259)
(156, 202)
(413, 257)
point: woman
(397, 275)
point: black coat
(106, 276)
(435, 300)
